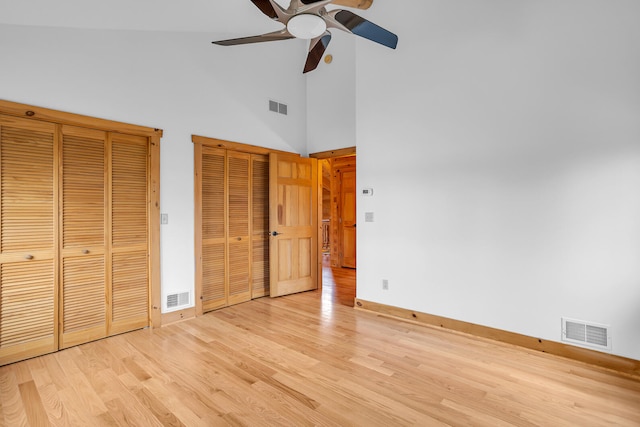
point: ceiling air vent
(586, 334)
(177, 300)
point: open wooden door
(293, 219)
(348, 218)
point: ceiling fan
(309, 19)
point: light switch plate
(368, 217)
(164, 218)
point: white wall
(178, 82)
(331, 97)
(502, 140)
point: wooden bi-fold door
(28, 264)
(104, 240)
(74, 235)
(231, 226)
(84, 179)
(128, 230)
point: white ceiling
(228, 17)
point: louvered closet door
(260, 225)
(28, 204)
(83, 298)
(239, 238)
(214, 212)
(129, 291)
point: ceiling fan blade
(308, 6)
(266, 7)
(269, 37)
(348, 21)
(317, 47)
(358, 4)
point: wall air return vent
(278, 107)
(177, 300)
(586, 334)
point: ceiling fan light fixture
(310, 20)
(306, 26)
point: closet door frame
(153, 136)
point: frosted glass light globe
(306, 26)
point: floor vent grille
(177, 300)
(586, 334)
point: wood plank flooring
(308, 360)
(339, 284)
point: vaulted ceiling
(230, 17)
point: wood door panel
(239, 272)
(83, 311)
(214, 229)
(213, 275)
(239, 217)
(260, 268)
(295, 258)
(348, 218)
(27, 195)
(260, 226)
(27, 312)
(238, 195)
(129, 190)
(28, 285)
(213, 194)
(349, 247)
(285, 261)
(304, 257)
(293, 204)
(84, 316)
(130, 292)
(83, 188)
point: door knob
(275, 233)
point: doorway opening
(338, 236)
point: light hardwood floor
(309, 360)
(339, 284)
